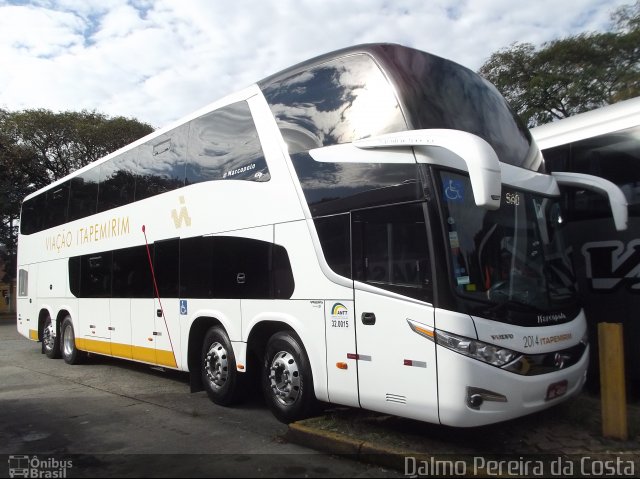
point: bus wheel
(50, 340)
(287, 383)
(220, 378)
(70, 353)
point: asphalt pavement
(119, 408)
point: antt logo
(610, 265)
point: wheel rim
(217, 365)
(68, 340)
(48, 338)
(284, 376)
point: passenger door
(391, 266)
(141, 291)
(166, 329)
(94, 303)
(131, 284)
(26, 291)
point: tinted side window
(95, 275)
(614, 156)
(32, 218)
(224, 144)
(335, 102)
(74, 275)
(335, 238)
(390, 250)
(438, 93)
(167, 267)
(196, 267)
(241, 268)
(557, 158)
(57, 202)
(282, 274)
(23, 282)
(231, 267)
(117, 181)
(160, 165)
(331, 188)
(132, 273)
(83, 194)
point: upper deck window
(220, 145)
(335, 102)
(438, 93)
(224, 145)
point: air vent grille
(396, 398)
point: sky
(157, 61)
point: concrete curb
(335, 443)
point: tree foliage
(40, 146)
(570, 75)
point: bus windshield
(512, 258)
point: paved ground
(127, 420)
(566, 439)
(116, 418)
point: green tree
(40, 146)
(14, 185)
(571, 75)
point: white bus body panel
(540, 340)
(142, 327)
(340, 338)
(95, 314)
(167, 331)
(607, 119)
(397, 370)
(525, 394)
(120, 312)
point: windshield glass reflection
(513, 255)
(335, 102)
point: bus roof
(600, 121)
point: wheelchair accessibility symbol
(453, 190)
(183, 307)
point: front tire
(287, 382)
(220, 378)
(70, 353)
(50, 340)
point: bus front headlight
(485, 352)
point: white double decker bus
(371, 228)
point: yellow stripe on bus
(126, 351)
(33, 334)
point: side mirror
(481, 159)
(617, 200)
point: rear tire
(50, 340)
(287, 383)
(220, 378)
(70, 353)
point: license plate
(556, 390)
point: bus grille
(535, 364)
